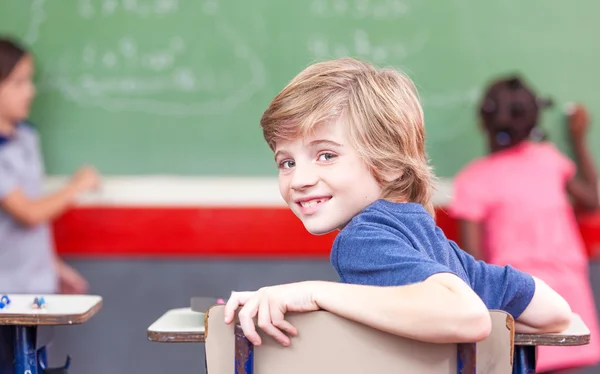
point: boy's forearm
(425, 311)
(547, 312)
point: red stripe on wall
(220, 232)
(212, 232)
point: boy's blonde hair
(383, 113)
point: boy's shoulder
(386, 215)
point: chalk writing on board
(451, 99)
(359, 9)
(142, 8)
(360, 45)
(166, 77)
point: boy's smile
(323, 179)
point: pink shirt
(519, 195)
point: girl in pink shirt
(514, 207)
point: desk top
(59, 309)
(576, 334)
(184, 325)
(181, 325)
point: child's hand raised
(270, 305)
(578, 121)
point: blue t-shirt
(395, 244)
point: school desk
(31, 324)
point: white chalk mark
(130, 5)
(359, 9)
(340, 7)
(37, 18)
(158, 61)
(109, 6)
(128, 48)
(185, 79)
(452, 99)
(379, 54)
(109, 60)
(362, 46)
(210, 7)
(318, 7)
(166, 6)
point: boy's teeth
(308, 204)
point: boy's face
(17, 92)
(323, 180)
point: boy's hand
(578, 122)
(70, 280)
(85, 179)
(270, 304)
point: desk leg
(25, 350)
(524, 359)
(42, 359)
(244, 353)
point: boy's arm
(470, 238)
(440, 309)
(547, 312)
(583, 188)
(31, 212)
(534, 305)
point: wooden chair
(330, 344)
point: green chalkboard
(178, 86)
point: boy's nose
(304, 176)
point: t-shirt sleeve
(500, 287)
(471, 197)
(564, 165)
(370, 254)
(8, 177)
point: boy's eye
(287, 164)
(326, 156)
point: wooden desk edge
(551, 339)
(576, 334)
(42, 319)
(175, 337)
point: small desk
(59, 310)
(524, 361)
(183, 325)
